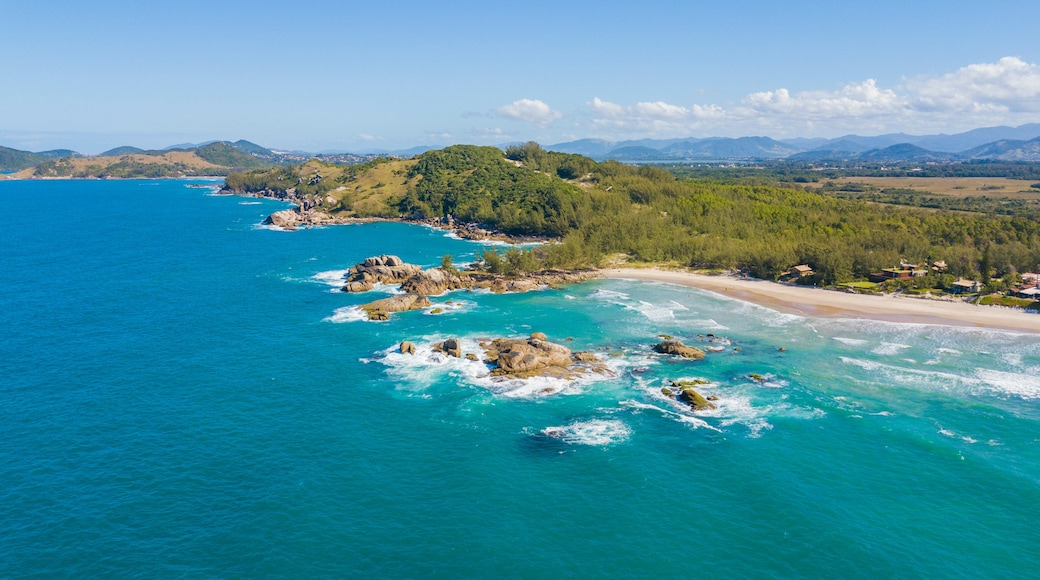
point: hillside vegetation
(218, 158)
(597, 209)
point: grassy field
(951, 186)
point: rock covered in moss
(677, 348)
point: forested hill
(219, 158)
(603, 208)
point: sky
(360, 76)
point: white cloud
(367, 137)
(1010, 85)
(1007, 91)
(530, 111)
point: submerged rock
(677, 348)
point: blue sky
(388, 75)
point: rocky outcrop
(435, 281)
(677, 348)
(291, 219)
(523, 358)
(451, 347)
(407, 347)
(381, 309)
(539, 336)
(379, 269)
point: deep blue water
(183, 393)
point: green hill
(597, 209)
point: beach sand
(814, 302)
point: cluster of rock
(383, 269)
(524, 358)
(291, 219)
(417, 284)
(685, 392)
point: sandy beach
(814, 302)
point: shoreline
(820, 303)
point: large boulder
(407, 347)
(677, 348)
(358, 286)
(450, 347)
(287, 218)
(381, 309)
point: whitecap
(686, 418)
(347, 314)
(1026, 386)
(653, 312)
(889, 348)
(250, 202)
(334, 278)
(850, 341)
(707, 324)
(596, 432)
(608, 295)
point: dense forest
(649, 213)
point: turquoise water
(183, 393)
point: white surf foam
(334, 278)
(347, 314)
(609, 296)
(850, 341)
(596, 432)
(1023, 385)
(982, 381)
(889, 348)
(427, 366)
(681, 417)
(653, 312)
(250, 202)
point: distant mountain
(587, 147)
(803, 143)
(16, 160)
(187, 146)
(823, 155)
(1007, 150)
(124, 150)
(635, 153)
(905, 152)
(726, 148)
(978, 137)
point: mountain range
(999, 143)
(991, 143)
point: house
(939, 266)
(891, 274)
(1032, 293)
(964, 286)
(1031, 279)
(800, 271)
(905, 271)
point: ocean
(185, 393)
